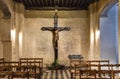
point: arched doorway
(109, 33)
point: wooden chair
(73, 66)
(115, 71)
(14, 69)
(97, 63)
(5, 71)
(1, 59)
(88, 74)
(19, 72)
(33, 62)
(33, 73)
(77, 69)
(104, 74)
(104, 69)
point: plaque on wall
(75, 57)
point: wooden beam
(75, 2)
(30, 2)
(66, 3)
(50, 2)
(46, 2)
(35, 3)
(89, 2)
(38, 1)
(62, 2)
(24, 3)
(79, 1)
(86, 3)
(82, 2)
(42, 1)
(70, 3)
(56, 2)
(59, 8)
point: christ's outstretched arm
(47, 28)
(64, 29)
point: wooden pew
(79, 69)
(1, 59)
(22, 69)
(73, 67)
(102, 67)
(19, 72)
(96, 63)
(5, 74)
(6, 68)
(115, 71)
(37, 62)
(32, 61)
(5, 71)
(90, 65)
(88, 74)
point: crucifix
(55, 30)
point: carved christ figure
(55, 33)
(55, 30)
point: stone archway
(5, 9)
(108, 32)
(107, 7)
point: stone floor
(56, 74)
(51, 74)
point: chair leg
(71, 75)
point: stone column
(21, 21)
(7, 55)
(5, 39)
(97, 33)
(92, 35)
(18, 23)
(94, 32)
(14, 33)
(1, 48)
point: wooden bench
(88, 74)
(19, 72)
(1, 59)
(115, 71)
(37, 62)
(32, 61)
(75, 65)
(25, 68)
(6, 68)
(95, 63)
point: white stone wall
(38, 43)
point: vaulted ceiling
(61, 4)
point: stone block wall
(38, 43)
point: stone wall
(38, 43)
(1, 46)
(5, 43)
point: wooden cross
(55, 30)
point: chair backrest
(95, 64)
(31, 62)
(88, 74)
